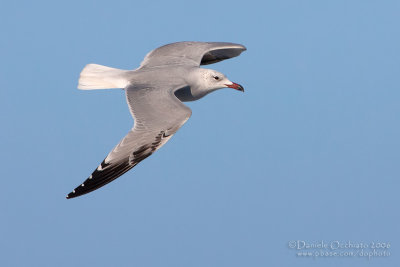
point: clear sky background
(310, 152)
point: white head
(212, 80)
(204, 81)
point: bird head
(211, 80)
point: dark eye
(216, 78)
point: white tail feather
(94, 76)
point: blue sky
(309, 152)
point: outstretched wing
(158, 115)
(191, 54)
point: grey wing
(158, 115)
(191, 54)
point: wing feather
(191, 54)
(159, 122)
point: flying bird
(168, 76)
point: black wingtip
(70, 195)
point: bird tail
(94, 76)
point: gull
(168, 76)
